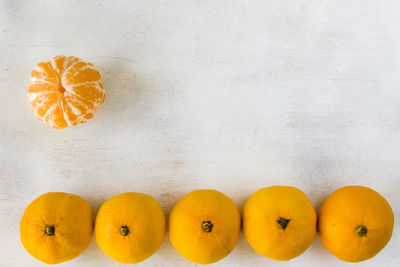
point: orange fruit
(204, 226)
(279, 222)
(65, 91)
(130, 227)
(355, 223)
(56, 227)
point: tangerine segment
(61, 63)
(65, 91)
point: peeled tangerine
(355, 223)
(204, 226)
(130, 227)
(56, 227)
(279, 222)
(65, 91)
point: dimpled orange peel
(56, 227)
(204, 226)
(355, 223)
(279, 222)
(130, 227)
(65, 91)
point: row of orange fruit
(354, 223)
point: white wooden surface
(231, 95)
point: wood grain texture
(230, 95)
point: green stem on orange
(361, 230)
(49, 230)
(125, 230)
(283, 223)
(207, 226)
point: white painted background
(231, 95)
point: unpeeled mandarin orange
(355, 223)
(56, 227)
(130, 227)
(204, 226)
(279, 222)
